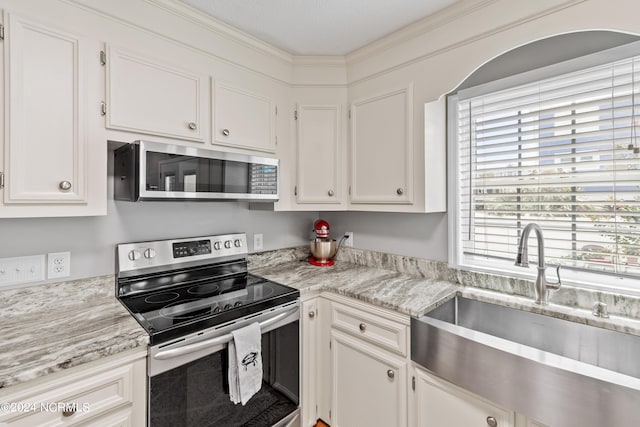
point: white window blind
(555, 152)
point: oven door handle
(223, 339)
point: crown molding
(425, 25)
(377, 49)
(319, 61)
(221, 28)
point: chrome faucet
(522, 260)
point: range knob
(134, 255)
(149, 253)
(237, 243)
(227, 244)
(237, 304)
(216, 309)
(216, 246)
(227, 306)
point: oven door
(188, 378)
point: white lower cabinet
(368, 353)
(309, 361)
(439, 403)
(357, 371)
(107, 393)
(369, 385)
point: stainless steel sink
(555, 371)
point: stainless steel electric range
(189, 294)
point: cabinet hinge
(103, 58)
(295, 114)
(316, 410)
(329, 413)
(276, 110)
(349, 113)
(295, 190)
(103, 108)
(1, 180)
(349, 190)
(413, 383)
(329, 344)
(276, 140)
(1, 32)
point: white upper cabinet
(318, 154)
(54, 144)
(243, 118)
(151, 97)
(382, 148)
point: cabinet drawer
(368, 326)
(85, 397)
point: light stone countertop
(416, 286)
(385, 288)
(48, 328)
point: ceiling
(319, 27)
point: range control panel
(160, 253)
(191, 248)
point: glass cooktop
(179, 310)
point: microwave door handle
(223, 339)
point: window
(558, 152)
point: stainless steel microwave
(146, 170)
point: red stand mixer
(323, 248)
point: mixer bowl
(323, 249)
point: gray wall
(412, 234)
(92, 240)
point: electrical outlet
(258, 242)
(26, 269)
(58, 265)
(348, 242)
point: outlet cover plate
(348, 242)
(58, 265)
(18, 270)
(258, 242)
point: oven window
(197, 394)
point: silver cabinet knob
(64, 185)
(400, 191)
(363, 327)
(330, 193)
(391, 374)
(312, 314)
(225, 132)
(492, 422)
(193, 125)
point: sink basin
(554, 371)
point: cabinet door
(382, 148)
(110, 392)
(47, 82)
(368, 384)
(243, 119)
(439, 403)
(309, 366)
(150, 97)
(318, 154)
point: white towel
(245, 363)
